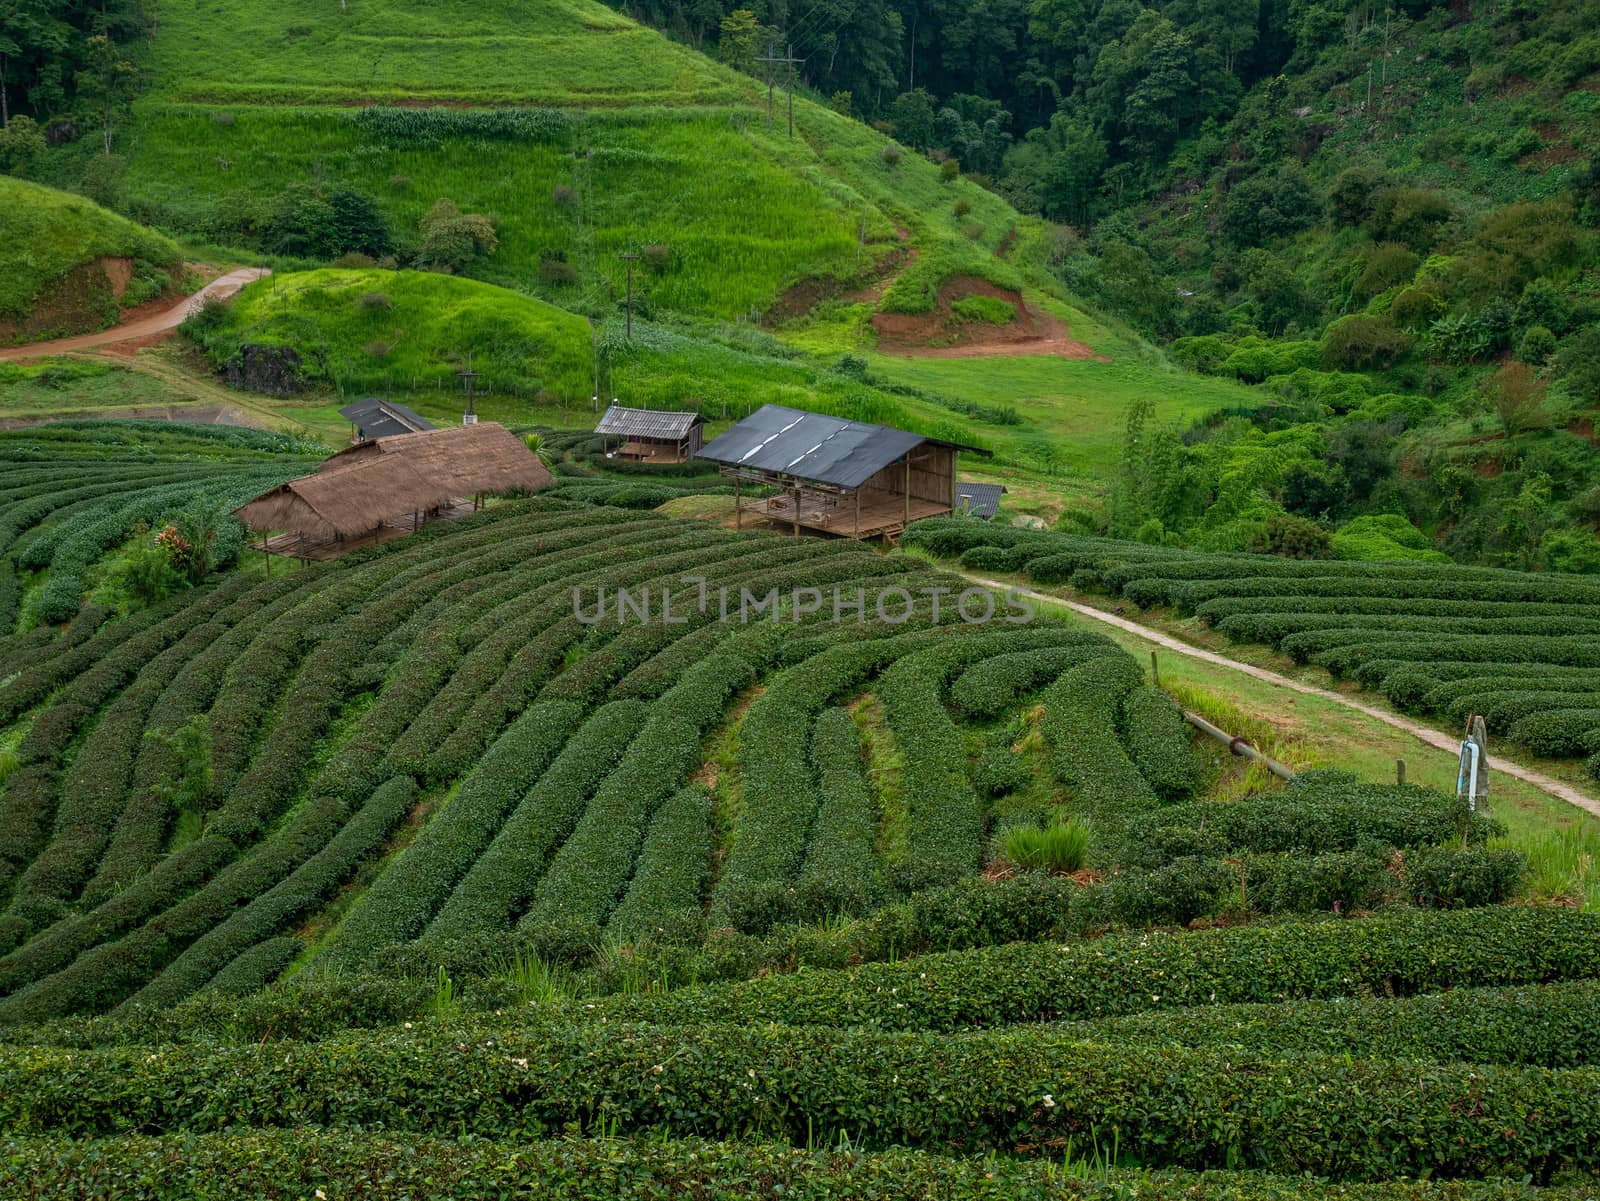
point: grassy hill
(602, 134)
(68, 266)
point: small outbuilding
(373, 418)
(652, 435)
(387, 487)
(834, 476)
(978, 500)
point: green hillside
(68, 266)
(576, 162)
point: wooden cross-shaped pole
(772, 59)
(630, 257)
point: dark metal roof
(647, 423)
(383, 418)
(813, 446)
(978, 500)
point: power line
(771, 60)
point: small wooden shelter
(835, 476)
(652, 435)
(374, 418)
(388, 487)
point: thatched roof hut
(388, 486)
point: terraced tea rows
(462, 683)
(72, 491)
(484, 833)
(1519, 648)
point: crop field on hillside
(1520, 649)
(445, 838)
(72, 491)
(736, 222)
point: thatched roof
(356, 489)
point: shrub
(1444, 879)
(1291, 537)
(672, 867)
(450, 240)
(1537, 346)
(1060, 848)
(962, 207)
(658, 256)
(999, 772)
(974, 230)
(1400, 954)
(891, 155)
(989, 310)
(404, 899)
(1363, 343)
(950, 170)
(840, 872)
(1086, 753)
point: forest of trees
(1052, 99)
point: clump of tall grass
(1563, 865)
(1058, 849)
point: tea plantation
(440, 869)
(1437, 639)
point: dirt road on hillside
(1433, 738)
(147, 330)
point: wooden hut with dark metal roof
(652, 435)
(388, 487)
(835, 476)
(374, 418)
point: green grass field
(555, 52)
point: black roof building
(835, 476)
(813, 446)
(978, 500)
(374, 418)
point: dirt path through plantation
(1433, 738)
(147, 330)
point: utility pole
(470, 417)
(772, 60)
(630, 258)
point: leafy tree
(1281, 297)
(1361, 343)
(912, 114)
(1409, 215)
(108, 81)
(1144, 87)
(1266, 206)
(1351, 198)
(740, 43)
(1517, 396)
(1074, 156)
(1315, 490)
(1578, 364)
(21, 144)
(451, 240)
(1364, 451)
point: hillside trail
(147, 330)
(1433, 738)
